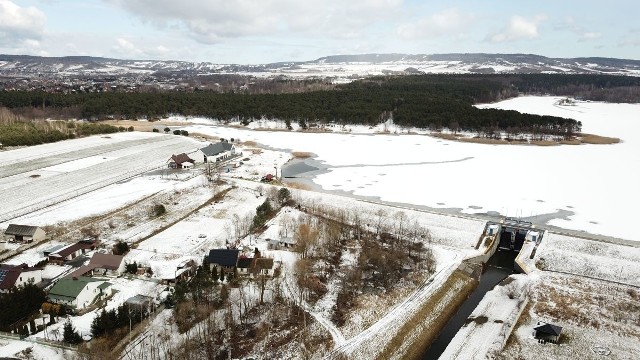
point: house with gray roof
(223, 259)
(25, 233)
(217, 152)
(78, 292)
(547, 332)
(140, 303)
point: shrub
(184, 132)
(176, 132)
(120, 248)
(70, 334)
(155, 130)
(159, 209)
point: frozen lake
(586, 187)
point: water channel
(498, 268)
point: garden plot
(36, 157)
(123, 163)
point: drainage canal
(498, 268)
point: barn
(25, 233)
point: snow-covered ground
(54, 174)
(590, 185)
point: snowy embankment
(582, 257)
(490, 324)
(476, 178)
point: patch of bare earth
(597, 139)
(301, 154)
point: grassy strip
(301, 154)
(597, 139)
(445, 136)
(485, 141)
(420, 332)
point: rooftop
(21, 230)
(224, 257)
(69, 288)
(217, 148)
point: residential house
(546, 332)
(25, 233)
(244, 265)
(181, 161)
(107, 264)
(262, 266)
(101, 265)
(53, 249)
(225, 260)
(281, 243)
(70, 252)
(16, 275)
(78, 292)
(217, 152)
(185, 270)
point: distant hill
(335, 66)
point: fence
(43, 342)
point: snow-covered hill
(338, 67)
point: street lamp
(276, 169)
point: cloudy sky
(261, 31)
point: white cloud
(216, 20)
(590, 36)
(449, 22)
(20, 26)
(571, 24)
(127, 49)
(519, 28)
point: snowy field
(587, 187)
(44, 175)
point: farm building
(140, 303)
(181, 161)
(78, 292)
(25, 233)
(217, 152)
(282, 243)
(547, 332)
(16, 275)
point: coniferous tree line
(19, 302)
(107, 321)
(427, 101)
